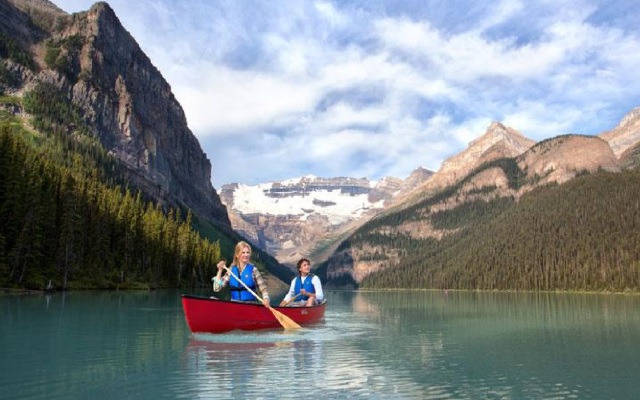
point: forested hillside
(87, 201)
(582, 235)
(71, 220)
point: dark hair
(299, 264)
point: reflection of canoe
(211, 315)
(207, 347)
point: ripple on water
(242, 363)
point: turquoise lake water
(371, 345)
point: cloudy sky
(372, 88)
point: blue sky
(371, 88)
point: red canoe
(212, 315)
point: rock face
(122, 96)
(626, 135)
(562, 158)
(497, 142)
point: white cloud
(377, 89)
(499, 13)
(219, 100)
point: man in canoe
(306, 288)
(242, 277)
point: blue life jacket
(238, 292)
(306, 285)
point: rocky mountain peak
(556, 160)
(122, 98)
(497, 133)
(385, 189)
(18, 19)
(417, 176)
(498, 141)
(37, 6)
(626, 134)
(630, 119)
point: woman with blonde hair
(242, 274)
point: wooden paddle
(292, 299)
(286, 322)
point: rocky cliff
(497, 142)
(560, 159)
(121, 95)
(626, 135)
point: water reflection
(399, 345)
(518, 345)
(327, 360)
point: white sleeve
(292, 289)
(318, 286)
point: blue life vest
(238, 292)
(306, 285)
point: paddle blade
(286, 322)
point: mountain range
(358, 232)
(282, 225)
(291, 218)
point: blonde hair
(236, 254)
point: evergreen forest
(583, 235)
(68, 218)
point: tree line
(69, 220)
(583, 235)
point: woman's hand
(221, 265)
(265, 302)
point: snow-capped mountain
(338, 199)
(290, 217)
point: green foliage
(582, 235)
(10, 49)
(52, 110)
(69, 217)
(7, 78)
(62, 222)
(62, 55)
(51, 55)
(10, 101)
(578, 236)
(469, 213)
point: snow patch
(337, 206)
